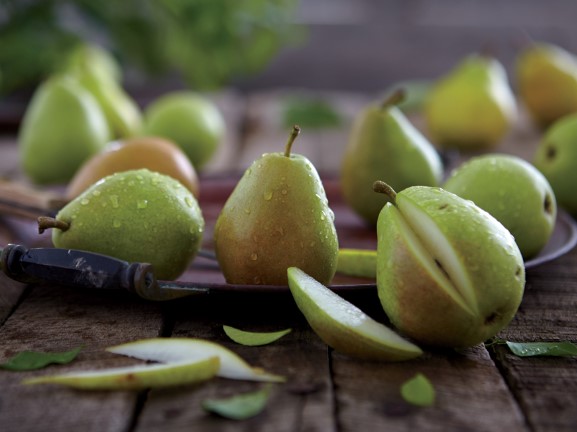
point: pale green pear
(471, 108)
(556, 158)
(384, 144)
(190, 120)
(277, 217)
(448, 273)
(514, 192)
(62, 127)
(547, 82)
(135, 216)
(343, 326)
(96, 58)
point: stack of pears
(73, 114)
(277, 217)
(135, 216)
(385, 145)
(471, 108)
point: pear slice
(170, 350)
(136, 377)
(357, 262)
(343, 326)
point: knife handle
(74, 268)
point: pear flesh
(449, 274)
(343, 326)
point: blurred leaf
(310, 113)
(32, 360)
(418, 391)
(239, 407)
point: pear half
(343, 326)
(136, 377)
(448, 274)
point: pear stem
(381, 187)
(294, 133)
(45, 222)
(394, 98)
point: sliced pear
(343, 326)
(137, 377)
(448, 273)
(357, 262)
(170, 350)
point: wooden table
(478, 389)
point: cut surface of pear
(169, 350)
(343, 326)
(137, 377)
(357, 262)
(448, 273)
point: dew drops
(253, 256)
(96, 193)
(116, 223)
(84, 201)
(142, 204)
(114, 201)
(247, 211)
(189, 202)
(284, 191)
(268, 196)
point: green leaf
(239, 407)
(418, 391)
(32, 360)
(310, 113)
(251, 338)
(554, 349)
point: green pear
(136, 216)
(343, 326)
(190, 120)
(99, 60)
(122, 112)
(448, 273)
(384, 144)
(472, 107)
(136, 377)
(514, 192)
(62, 127)
(277, 217)
(556, 158)
(547, 82)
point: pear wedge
(343, 326)
(448, 274)
(170, 350)
(357, 262)
(136, 377)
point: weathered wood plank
(304, 402)
(546, 388)
(55, 320)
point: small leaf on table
(553, 349)
(241, 406)
(418, 391)
(33, 360)
(253, 338)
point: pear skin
(277, 217)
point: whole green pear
(514, 192)
(556, 158)
(121, 111)
(136, 216)
(547, 82)
(448, 273)
(472, 107)
(190, 120)
(385, 145)
(62, 127)
(277, 217)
